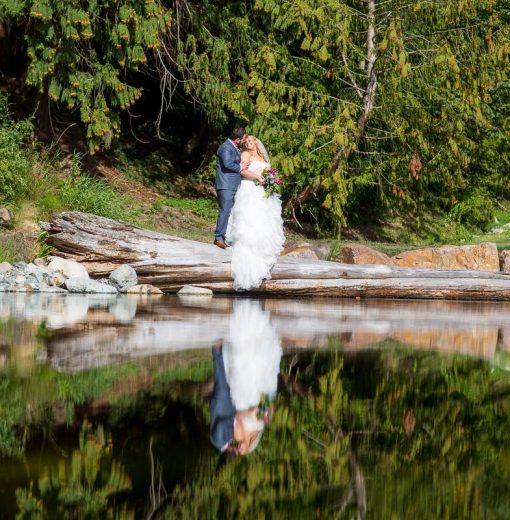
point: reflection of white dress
(251, 355)
(255, 230)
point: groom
(228, 178)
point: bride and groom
(248, 221)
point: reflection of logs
(119, 330)
(89, 331)
(169, 262)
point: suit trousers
(225, 202)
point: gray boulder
(5, 267)
(76, 285)
(123, 278)
(69, 268)
(190, 290)
(57, 279)
(41, 274)
(85, 285)
(20, 279)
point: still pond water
(120, 407)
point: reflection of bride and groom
(246, 367)
(249, 221)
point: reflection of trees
(83, 487)
(32, 405)
(387, 433)
(380, 434)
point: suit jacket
(228, 167)
(221, 406)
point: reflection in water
(85, 332)
(246, 368)
(383, 409)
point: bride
(255, 226)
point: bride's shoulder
(246, 155)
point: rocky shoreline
(57, 275)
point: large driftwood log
(101, 245)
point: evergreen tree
(361, 102)
(81, 50)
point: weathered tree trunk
(101, 245)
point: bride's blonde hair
(262, 152)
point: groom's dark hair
(237, 133)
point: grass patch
(32, 177)
(17, 246)
(10, 248)
(201, 207)
(199, 372)
(83, 193)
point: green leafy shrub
(15, 162)
(475, 211)
(85, 486)
(79, 53)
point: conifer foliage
(347, 93)
(364, 104)
(80, 50)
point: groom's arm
(229, 160)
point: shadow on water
(170, 408)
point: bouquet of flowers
(272, 181)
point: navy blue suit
(221, 406)
(228, 178)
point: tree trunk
(4, 45)
(43, 115)
(168, 262)
(368, 98)
(370, 89)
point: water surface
(383, 409)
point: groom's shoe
(220, 243)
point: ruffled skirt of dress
(255, 231)
(251, 354)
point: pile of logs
(169, 263)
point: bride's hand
(260, 179)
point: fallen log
(168, 262)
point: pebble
(143, 289)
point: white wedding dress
(255, 232)
(251, 355)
